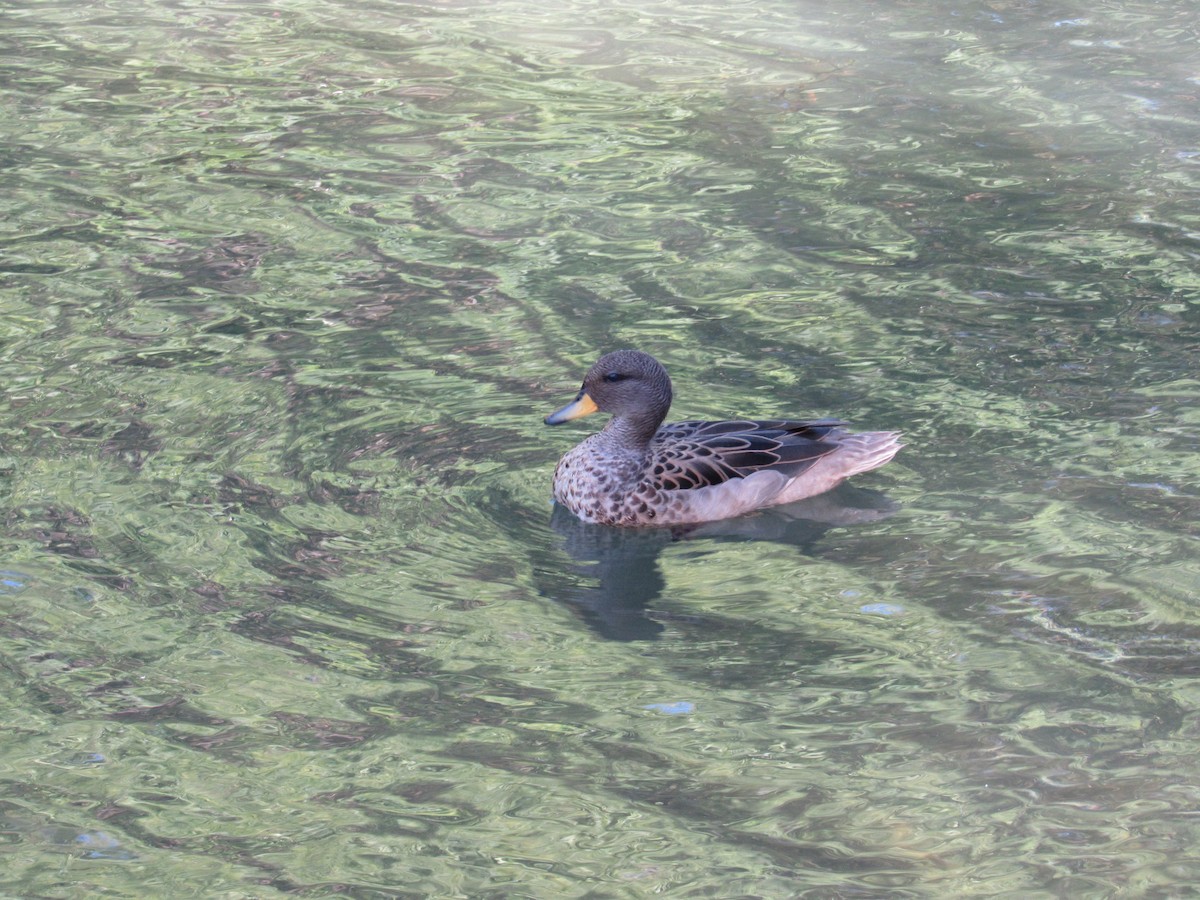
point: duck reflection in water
(617, 578)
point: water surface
(286, 290)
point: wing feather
(691, 455)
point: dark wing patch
(689, 455)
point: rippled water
(287, 289)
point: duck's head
(631, 385)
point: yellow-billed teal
(638, 471)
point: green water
(285, 291)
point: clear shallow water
(286, 292)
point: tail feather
(865, 451)
(856, 453)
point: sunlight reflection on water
(287, 291)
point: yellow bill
(582, 405)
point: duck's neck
(634, 431)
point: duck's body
(637, 471)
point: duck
(639, 472)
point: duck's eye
(614, 376)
